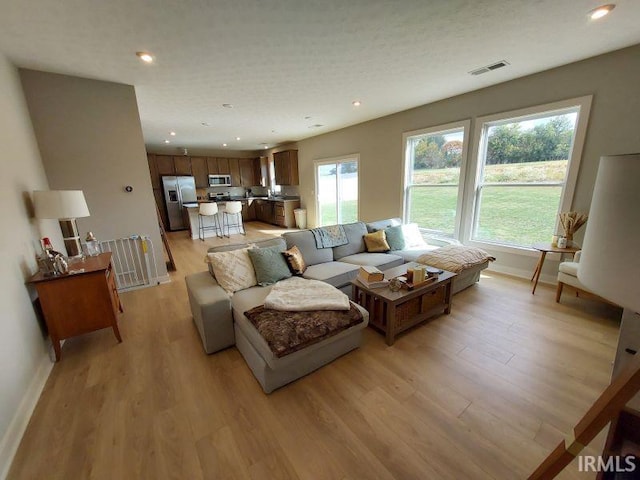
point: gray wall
(90, 139)
(24, 359)
(614, 128)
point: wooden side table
(545, 248)
(79, 302)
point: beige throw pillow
(376, 242)
(233, 270)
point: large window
(434, 171)
(523, 166)
(337, 187)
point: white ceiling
(279, 61)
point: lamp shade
(610, 261)
(60, 204)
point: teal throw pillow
(395, 237)
(269, 264)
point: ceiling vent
(488, 68)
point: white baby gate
(134, 261)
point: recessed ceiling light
(205, 124)
(145, 57)
(356, 103)
(227, 105)
(238, 138)
(167, 141)
(307, 117)
(317, 125)
(601, 11)
(266, 146)
(173, 134)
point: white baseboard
(164, 279)
(521, 273)
(11, 440)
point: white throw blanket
(297, 294)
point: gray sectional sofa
(220, 319)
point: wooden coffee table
(394, 312)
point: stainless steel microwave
(219, 180)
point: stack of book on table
(371, 277)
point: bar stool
(232, 217)
(208, 210)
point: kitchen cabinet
(234, 170)
(212, 165)
(248, 210)
(264, 211)
(182, 165)
(248, 172)
(79, 303)
(164, 164)
(223, 166)
(153, 171)
(262, 171)
(285, 165)
(200, 171)
(283, 213)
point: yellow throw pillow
(295, 260)
(376, 242)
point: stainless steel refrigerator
(177, 192)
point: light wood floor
(485, 392)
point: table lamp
(66, 206)
(610, 262)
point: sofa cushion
(233, 270)
(412, 254)
(382, 224)
(355, 233)
(395, 237)
(376, 242)
(295, 260)
(269, 265)
(570, 268)
(381, 260)
(334, 273)
(306, 243)
(247, 299)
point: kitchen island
(276, 210)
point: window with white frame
(527, 163)
(435, 160)
(337, 190)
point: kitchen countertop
(273, 199)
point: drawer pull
(630, 351)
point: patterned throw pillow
(295, 260)
(269, 264)
(233, 270)
(395, 237)
(376, 242)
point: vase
(569, 237)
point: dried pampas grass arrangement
(571, 222)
